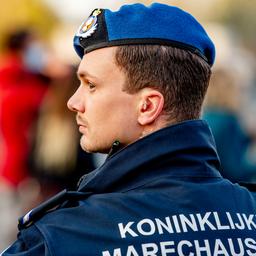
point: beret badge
(89, 26)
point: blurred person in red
(22, 88)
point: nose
(75, 102)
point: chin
(94, 148)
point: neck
(159, 123)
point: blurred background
(39, 143)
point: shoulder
(29, 241)
(88, 225)
(250, 188)
(56, 231)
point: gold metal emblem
(89, 26)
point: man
(144, 73)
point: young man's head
(142, 68)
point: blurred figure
(57, 159)
(227, 109)
(22, 88)
(232, 140)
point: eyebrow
(84, 74)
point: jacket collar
(184, 149)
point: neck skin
(161, 122)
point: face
(105, 112)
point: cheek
(103, 107)
(122, 121)
(101, 117)
(108, 114)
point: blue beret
(138, 24)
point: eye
(91, 86)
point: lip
(81, 125)
(81, 128)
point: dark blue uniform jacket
(162, 195)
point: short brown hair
(181, 76)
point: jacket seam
(173, 176)
(47, 241)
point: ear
(150, 106)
